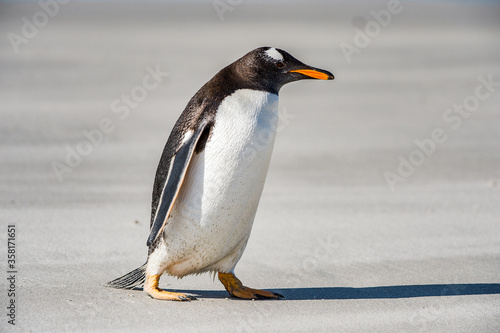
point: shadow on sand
(428, 290)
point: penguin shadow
(385, 292)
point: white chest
(228, 176)
(213, 215)
(237, 156)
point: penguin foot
(151, 287)
(236, 289)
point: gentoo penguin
(211, 174)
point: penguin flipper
(178, 167)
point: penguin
(211, 175)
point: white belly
(213, 215)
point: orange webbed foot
(236, 289)
(151, 287)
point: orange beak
(314, 74)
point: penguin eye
(280, 64)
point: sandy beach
(381, 209)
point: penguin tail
(130, 280)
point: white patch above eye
(274, 54)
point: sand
(381, 208)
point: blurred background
(387, 176)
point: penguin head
(271, 68)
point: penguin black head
(270, 68)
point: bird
(211, 175)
